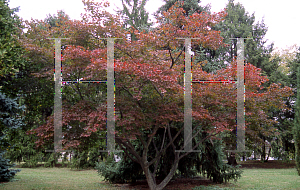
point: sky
(281, 17)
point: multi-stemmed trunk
(150, 176)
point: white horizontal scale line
(207, 81)
(81, 81)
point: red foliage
(149, 75)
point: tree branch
(162, 151)
(197, 145)
(161, 95)
(129, 148)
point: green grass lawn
(65, 178)
(55, 178)
(266, 179)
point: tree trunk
(263, 155)
(152, 181)
(269, 152)
(231, 159)
(169, 176)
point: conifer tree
(240, 24)
(190, 6)
(297, 125)
(10, 62)
(135, 13)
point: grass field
(264, 179)
(55, 178)
(65, 178)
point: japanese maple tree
(149, 90)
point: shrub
(31, 163)
(93, 156)
(119, 172)
(213, 166)
(52, 160)
(79, 160)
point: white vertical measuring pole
(188, 97)
(240, 96)
(57, 98)
(110, 96)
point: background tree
(282, 144)
(189, 6)
(10, 50)
(10, 62)
(36, 93)
(297, 125)
(135, 15)
(238, 23)
(57, 20)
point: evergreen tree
(297, 125)
(240, 24)
(282, 143)
(190, 6)
(57, 20)
(135, 15)
(293, 66)
(10, 62)
(9, 120)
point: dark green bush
(208, 162)
(212, 164)
(93, 156)
(52, 160)
(31, 163)
(119, 172)
(79, 160)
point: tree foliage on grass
(149, 91)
